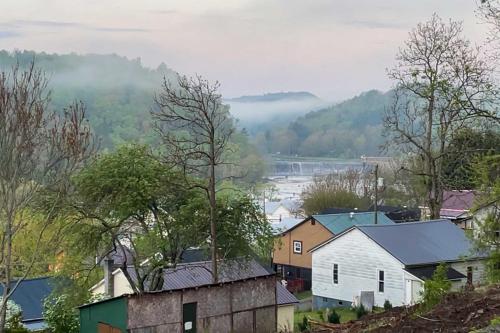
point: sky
(332, 48)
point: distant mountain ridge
(274, 97)
(347, 129)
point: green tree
(435, 288)
(466, 148)
(60, 315)
(130, 200)
(486, 234)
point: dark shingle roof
(337, 223)
(30, 295)
(415, 243)
(426, 272)
(334, 210)
(284, 296)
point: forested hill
(347, 130)
(117, 92)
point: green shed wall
(112, 312)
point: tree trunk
(213, 208)
(6, 274)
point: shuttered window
(335, 274)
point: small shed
(248, 305)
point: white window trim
(378, 280)
(295, 248)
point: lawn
(303, 294)
(345, 314)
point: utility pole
(375, 207)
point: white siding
(359, 259)
(120, 286)
(278, 214)
(478, 271)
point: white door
(408, 291)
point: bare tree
(489, 12)
(39, 150)
(441, 86)
(196, 128)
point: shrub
(387, 305)
(14, 324)
(60, 316)
(360, 311)
(13, 318)
(334, 317)
(321, 315)
(304, 325)
(435, 288)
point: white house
(276, 211)
(392, 261)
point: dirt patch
(459, 312)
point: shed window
(297, 247)
(335, 274)
(381, 281)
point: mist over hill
(117, 92)
(272, 110)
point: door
(189, 317)
(469, 275)
(105, 328)
(408, 292)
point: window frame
(380, 282)
(335, 271)
(295, 248)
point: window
(381, 281)
(297, 247)
(335, 274)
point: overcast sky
(333, 48)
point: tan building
(195, 275)
(291, 258)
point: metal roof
(284, 296)
(337, 223)
(30, 295)
(415, 243)
(285, 224)
(198, 274)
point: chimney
(108, 277)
